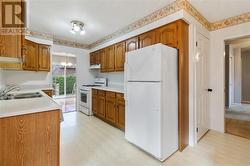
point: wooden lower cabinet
(110, 108)
(101, 104)
(120, 112)
(30, 140)
(48, 92)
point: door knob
(209, 90)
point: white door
(143, 116)
(202, 115)
(144, 64)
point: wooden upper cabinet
(119, 56)
(103, 58)
(167, 35)
(110, 55)
(147, 39)
(92, 58)
(98, 57)
(11, 46)
(30, 56)
(132, 44)
(43, 58)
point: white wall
(217, 61)
(114, 78)
(2, 82)
(27, 79)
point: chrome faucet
(8, 89)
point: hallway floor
(88, 141)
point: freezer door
(142, 121)
(144, 64)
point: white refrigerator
(151, 96)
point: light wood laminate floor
(87, 141)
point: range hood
(10, 63)
(97, 66)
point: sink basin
(21, 96)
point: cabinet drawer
(110, 94)
(94, 91)
(101, 93)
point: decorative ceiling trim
(39, 35)
(197, 15)
(56, 40)
(70, 43)
(243, 18)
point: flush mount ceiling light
(77, 26)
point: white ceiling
(103, 17)
(216, 10)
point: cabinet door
(10, 46)
(103, 57)
(30, 56)
(110, 55)
(119, 56)
(167, 35)
(95, 104)
(101, 106)
(110, 107)
(98, 57)
(43, 58)
(92, 58)
(132, 44)
(120, 112)
(147, 39)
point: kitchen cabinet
(120, 112)
(95, 58)
(95, 101)
(43, 58)
(30, 56)
(104, 65)
(101, 103)
(48, 92)
(110, 57)
(167, 35)
(119, 56)
(109, 106)
(11, 46)
(31, 139)
(132, 44)
(36, 57)
(147, 39)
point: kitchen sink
(21, 96)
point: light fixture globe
(77, 26)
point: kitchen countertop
(17, 107)
(119, 89)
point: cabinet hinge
(197, 129)
(196, 44)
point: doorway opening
(237, 89)
(64, 81)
